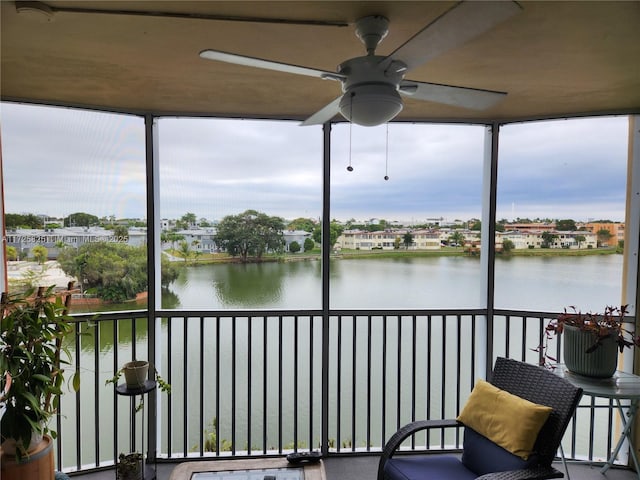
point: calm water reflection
(543, 284)
(531, 283)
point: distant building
(531, 227)
(616, 232)
(200, 239)
(386, 240)
(295, 236)
(54, 239)
(534, 239)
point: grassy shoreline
(207, 259)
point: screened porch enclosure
(108, 109)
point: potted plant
(592, 340)
(129, 466)
(135, 373)
(31, 360)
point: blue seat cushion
(424, 467)
(481, 455)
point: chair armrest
(401, 435)
(535, 473)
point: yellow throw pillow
(508, 420)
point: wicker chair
(530, 382)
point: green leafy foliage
(81, 219)
(115, 271)
(250, 234)
(609, 324)
(40, 253)
(294, 247)
(33, 355)
(29, 220)
(335, 230)
(309, 244)
(407, 240)
(300, 223)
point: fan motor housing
(369, 69)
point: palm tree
(457, 238)
(40, 254)
(184, 250)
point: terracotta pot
(9, 445)
(135, 373)
(601, 363)
(37, 466)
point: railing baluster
(395, 346)
(295, 383)
(233, 383)
(384, 378)
(443, 375)
(280, 366)
(169, 377)
(311, 380)
(217, 417)
(458, 371)
(339, 386)
(249, 382)
(354, 379)
(201, 421)
(399, 373)
(96, 394)
(265, 382)
(116, 331)
(429, 374)
(369, 374)
(185, 382)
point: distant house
(54, 239)
(563, 239)
(200, 239)
(295, 236)
(423, 239)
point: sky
(57, 161)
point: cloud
(58, 161)
(569, 168)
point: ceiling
(554, 59)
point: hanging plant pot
(135, 373)
(601, 363)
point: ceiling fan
(372, 85)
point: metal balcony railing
(257, 383)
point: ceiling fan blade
(456, 26)
(325, 114)
(268, 64)
(472, 98)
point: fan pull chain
(386, 156)
(350, 168)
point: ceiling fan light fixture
(371, 105)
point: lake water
(524, 283)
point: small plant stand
(148, 473)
